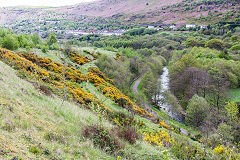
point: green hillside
(33, 126)
(73, 99)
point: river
(162, 102)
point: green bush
(28, 48)
(52, 39)
(10, 42)
(215, 43)
(235, 48)
(183, 150)
(34, 149)
(226, 132)
(54, 46)
(197, 111)
(44, 48)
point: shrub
(52, 39)
(214, 140)
(196, 111)
(128, 133)
(183, 150)
(226, 132)
(222, 152)
(215, 43)
(28, 48)
(160, 138)
(44, 48)
(10, 42)
(235, 48)
(123, 120)
(95, 56)
(54, 46)
(164, 125)
(45, 90)
(34, 149)
(145, 52)
(102, 138)
(51, 136)
(75, 57)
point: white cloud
(5, 3)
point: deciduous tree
(197, 111)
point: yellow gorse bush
(164, 125)
(74, 56)
(56, 68)
(124, 122)
(160, 138)
(101, 82)
(219, 150)
(222, 152)
(51, 72)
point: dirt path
(135, 91)
(135, 86)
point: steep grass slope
(32, 126)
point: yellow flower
(218, 150)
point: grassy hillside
(33, 126)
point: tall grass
(28, 119)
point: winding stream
(160, 98)
(162, 102)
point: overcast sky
(6, 3)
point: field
(234, 95)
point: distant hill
(107, 8)
(133, 11)
(166, 11)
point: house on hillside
(203, 26)
(190, 26)
(151, 27)
(173, 27)
(158, 28)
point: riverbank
(162, 113)
(166, 102)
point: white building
(203, 26)
(151, 27)
(190, 26)
(173, 27)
